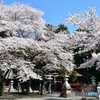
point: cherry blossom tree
(58, 53)
(21, 20)
(18, 54)
(25, 40)
(19, 25)
(86, 37)
(87, 21)
(56, 50)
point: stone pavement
(54, 96)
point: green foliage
(39, 64)
(80, 58)
(3, 34)
(82, 30)
(63, 71)
(61, 27)
(73, 76)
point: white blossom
(21, 20)
(87, 36)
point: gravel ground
(36, 96)
(15, 96)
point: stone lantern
(93, 81)
(11, 77)
(66, 88)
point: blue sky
(56, 11)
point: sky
(56, 11)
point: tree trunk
(43, 88)
(1, 83)
(27, 88)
